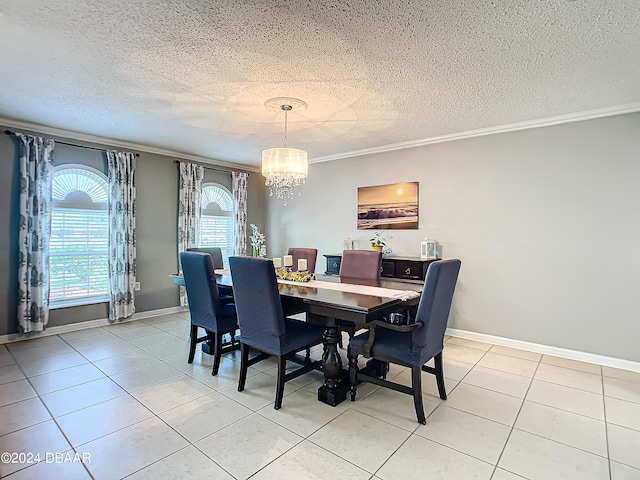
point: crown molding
(68, 134)
(511, 127)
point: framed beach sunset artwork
(384, 207)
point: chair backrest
(435, 304)
(260, 315)
(364, 264)
(309, 253)
(202, 289)
(215, 252)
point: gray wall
(9, 192)
(156, 228)
(546, 222)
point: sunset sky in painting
(392, 193)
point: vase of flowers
(376, 241)
(258, 248)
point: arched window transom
(216, 219)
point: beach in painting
(392, 206)
(388, 216)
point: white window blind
(78, 254)
(78, 249)
(216, 220)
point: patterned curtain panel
(240, 212)
(189, 193)
(122, 234)
(36, 170)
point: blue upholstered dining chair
(411, 345)
(226, 292)
(215, 252)
(263, 326)
(361, 264)
(205, 308)
(310, 254)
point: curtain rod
(9, 132)
(205, 165)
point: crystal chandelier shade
(285, 168)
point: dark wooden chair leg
(217, 353)
(437, 360)
(416, 385)
(244, 365)
(282, 372)
(194, 341)
(307, 357)
(353, 374)
(351, 331)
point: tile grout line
(531, 433)
(53, 418)
(563, 409)
(193, 444)
(495, 468)
(392, 454)
(308, 439)
(154, 414)
(476, 364)
(606, 424)
(412, 433)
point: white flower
(257, 239)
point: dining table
(333, 301)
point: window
(78, 250)
(216, 220)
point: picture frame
(385, 207)
(347, 244)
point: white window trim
(77, 302)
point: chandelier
(285, 168)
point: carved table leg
(334, 389)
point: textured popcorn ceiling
(192, 75)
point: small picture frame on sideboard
(347, 244)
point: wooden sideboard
(401, 268)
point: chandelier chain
(286, 114)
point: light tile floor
(124, 399)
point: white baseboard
(547, 350)
(100, 322)
(454, 332)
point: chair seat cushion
(300, 335)
(396, 347)
(227, 321)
